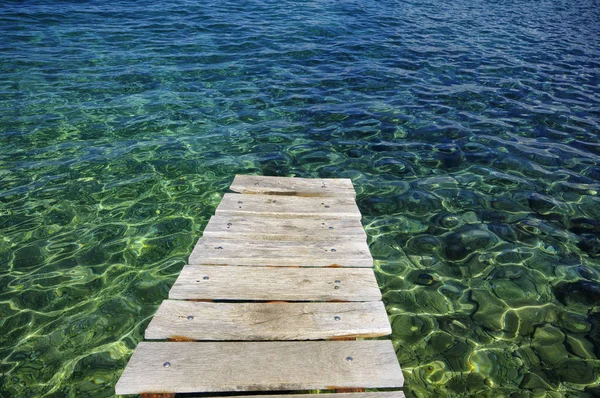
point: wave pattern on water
(470, 128)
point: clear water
(469, 127)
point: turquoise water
(470, 129)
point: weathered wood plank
(259, 366)
(371, 394)
(279, 253)
(271, 228)
(267, 321)
(287, 206)
(196, 282)
(248, 184)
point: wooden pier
(283, 262)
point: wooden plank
(259, 366)
(190, 320)
(271, 228)
(281, 254)
(321, 187)
(198, 282)
(287, 206)
(370, 394)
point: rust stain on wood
(179, 339)
(342, 338)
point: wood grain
(259, 366)
(287, 206)
(288, 229)
(248, 184)
(262, 283)
(268, 321)
(218, 251)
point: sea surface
(470, 128)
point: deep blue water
(471, 130)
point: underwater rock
(433, 373)
(27, 257)
(376, 205)
(576, 371)
(513, 294)
(393, 166)
(457, 355)
(509, 255)
(423, 244)
(587, 272)
(590, 244)
(458, 325)
(541, 204)
(447, 221)
(424, 280)
(573, 322)
(594, 334)
(519, 286)
(506, 204)
(418, 202)
(504, 231)
(583, 292)
(395, 283)
(438, 342)
(432, 184)
(449, 156)
(531, 317)
(466, 240)
(584, 225)
(411, 328)
(528, 357)
(593, 390)
(424, 261)
(59, 217)
(548, 335)
(580, 346)
(452, 290)
(497, 365)
(489, 309)
(548, 345)
(460, 199)
(536, 379)
(429, 301)
(492, 216)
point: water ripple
(470, 129)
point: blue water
(469, 128)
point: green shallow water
(469, 128)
